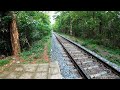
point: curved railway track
(89, 66)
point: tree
(33, 26)
(14, 35)
(20, 29)
(103, 27)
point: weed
(42, 61)
(95, 50)
(84, 44)
(3, 62)
(36, 56)
(36, 50)
(96, 46)
(49, 46)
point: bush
(3, 62)
(32, 26)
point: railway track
(71, 65)
(87, 65)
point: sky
(51, 13)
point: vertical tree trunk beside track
(14, 35)
(71, 28)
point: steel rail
(80, 70)
(112, 66)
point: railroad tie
(79, 58)
(98, 74)
(96, 66)
(87, 62)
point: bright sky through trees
(51, 13)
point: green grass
(113, 51)
(110, 54)
(36, 50)
(5, 61)
(36, 56)
(33, 53)
(42, 61)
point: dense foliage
(5, 44)
(103, 27)
(32, 26)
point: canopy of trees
(101, 26)
(32, 26)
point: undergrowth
(110, 54)
(5, 61)
(36, 51)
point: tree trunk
(71, 28)
(100, 24)
(14, 35)
(100, 27)
(93, 29)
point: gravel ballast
(57, 54)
